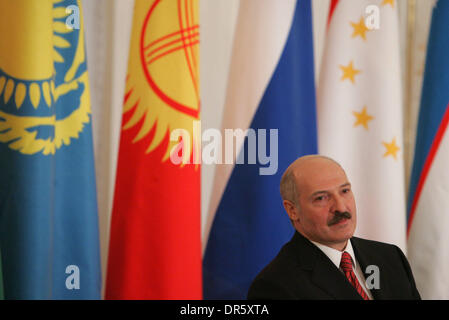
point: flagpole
(408, 114)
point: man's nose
(338, 204)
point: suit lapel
(332, 280)
(365, 259)
(325, 274)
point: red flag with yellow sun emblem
(155, 241)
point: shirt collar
(335, 255)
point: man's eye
(320, 198)
(346, 190)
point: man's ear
(291, 209)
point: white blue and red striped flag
(271, 87)
(428, 220)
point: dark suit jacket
(302, 271)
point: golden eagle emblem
(44, 88)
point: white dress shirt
(335, 256)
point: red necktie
(346, 266)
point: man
(323, 260)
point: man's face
(325, 196)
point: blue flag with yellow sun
(48, 207)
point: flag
(359, 106)
(271, 97)
(48, 205)
(155, 237)
(428, 239)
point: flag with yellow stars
(360, 112)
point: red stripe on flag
(333, 5)
(427, 165)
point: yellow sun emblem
(162, 91)
(44, 89)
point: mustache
(338, 216)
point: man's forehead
(320, 175)
(314, 164)
(323, 181)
